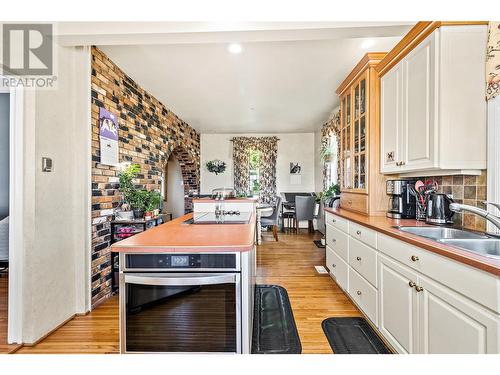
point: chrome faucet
(495, 220)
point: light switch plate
(46, 164)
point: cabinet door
(398, 305)
(419, 90)
(391, 117)
(451, 323)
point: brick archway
(190, 168)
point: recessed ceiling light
(235, 48)
(367, 43)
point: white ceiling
(284, 81)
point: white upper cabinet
(391, 116)
(433, 111)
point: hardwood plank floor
(289, 263)
(4, 292)
(314, 297)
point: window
(254, 182)
(331, 162)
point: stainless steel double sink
(474, 242)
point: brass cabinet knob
(358, 232)
(402, 163)
(412, 284)
(349, 202)
(414, 258)
(397, 164)
(358, 292)
(358, 259)
(419, 288)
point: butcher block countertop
(175, 236)
(385, 225)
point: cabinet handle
(334, 221)
(412, 284)
(419, 288)
(349, 202)
(358, 259)
(358, 232)
(414, 258)
(358, 292)
(398, 164)
(334, 265)
(402, 163)
(334, 240)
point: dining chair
(304, 210)
(273, 219)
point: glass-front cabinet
(362, 185)
(354, 136)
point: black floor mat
(353, 336)
(274, 329)
(318, 244)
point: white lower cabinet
(398, 305)
(339, 269)
(364, 294)
(452, 324)
(419, 301)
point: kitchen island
(188, 287)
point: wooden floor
(289, 263)
(4, 288)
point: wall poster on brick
(108, 134)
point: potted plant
(127, 187)
(138, 202)
(152, 203)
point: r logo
(27, 49)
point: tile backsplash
(465, 189)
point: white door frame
(493, 190)
(16, 234)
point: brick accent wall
(148, 134)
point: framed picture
(295, 168)
(108, 134)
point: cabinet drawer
(364, 295)
(338, 241)
(363, 234)
(338, 268)
(478, 285)
(364, 260)
(337, 222)
(354, 202)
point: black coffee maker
(438, 209)
(401, 201)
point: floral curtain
(329, 128)
(268, 147)
(493, 61)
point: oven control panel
(181, 261)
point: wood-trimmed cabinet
(432, 102)
(361, 184)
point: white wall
(4, 154)
(318, 163)
(175, 188)
(55, 254)
(292, 147)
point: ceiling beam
(141, 33)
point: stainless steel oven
(185, 303)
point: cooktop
(227, 217)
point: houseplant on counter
(138, 200)
(127, 189)
(152, 204)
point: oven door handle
(180, 280)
